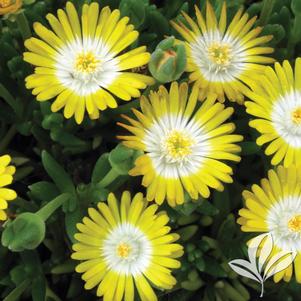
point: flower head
(223, 59)
(6, 177)
(126, 245)
(183, 144)
(79, 61)
(276, 104)
(168, 61)
(9, 6)
(275, 207)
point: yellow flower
(79, 61)
(223, 59)
(183, 144)
(275, 207)
(9, 6)
(126, 246)
(6, 177)
(276, 104)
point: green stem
(266, 11)
(48, 209)
(109, 178)
(18, 291)
(23, 26)
(7, 138)
(5, 94)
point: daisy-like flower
(183, 145)
(126, 246)
(276, 104)
(275, 207)
(6, 177)
(9, 6)
(79, 61)
(223, 59)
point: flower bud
(26, 232)
(9, 6)
(168, 61)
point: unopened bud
(168, 61)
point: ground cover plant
(147, 147)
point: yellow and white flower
(6, 177)
(126, 245)
(275, 207)
(79, 61)
(223, 59)
(276, 104)
(184, 145)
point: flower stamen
(296, 116)
(177, 146)
(294, 224)
(86, 63)
(123, 250)
(220, 54)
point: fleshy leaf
(59, 176)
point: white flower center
(176, 145)
(294, 224)
(284, 223)
(296, 116)
(286, 118)
(220, 57)
(85, 66)
(127, 250)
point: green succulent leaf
(57, 173)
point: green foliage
(63, 169)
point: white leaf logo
(278, 263)
(245, 268)
(260, 260)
